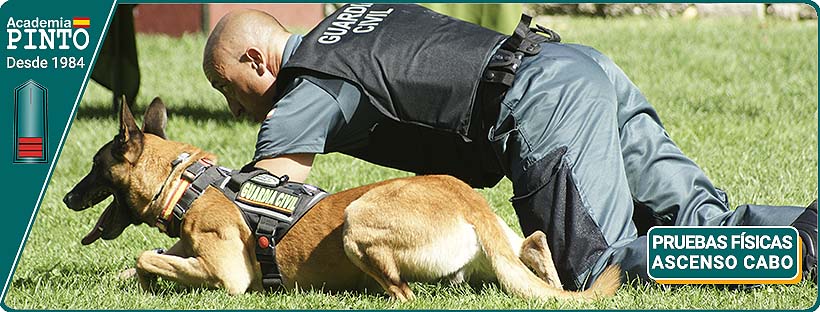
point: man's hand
(295, 166)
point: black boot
(806, 225)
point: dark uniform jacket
(418, 68)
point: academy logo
(34, 40)
(48, 34)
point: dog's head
(117, 170)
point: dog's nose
(69, 200)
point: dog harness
(269, 204)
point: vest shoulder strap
(331, 86)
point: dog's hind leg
(379, 264)
(533, 252)
(536, 255)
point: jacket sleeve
(300, 122)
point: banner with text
(724, 255)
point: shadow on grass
(55, 273)
(161, 287)
(69, 277)
(103, 110)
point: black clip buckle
(178, 212)
(551, 34)
(182, 157)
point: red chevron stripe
(30, 140)
(37, 154)
(30, 147)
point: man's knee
(604, 61)
(547, 199)
(571, 63)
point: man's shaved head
(242, 59)
(235, 32)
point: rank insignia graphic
(30, 126)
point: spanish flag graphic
(82, 22)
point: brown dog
(425, 228)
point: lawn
(738, 96)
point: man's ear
(128, 144)
(155, 118)
(257, 59)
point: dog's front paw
(127, 274)
(147, 280)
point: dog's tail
(515, 278)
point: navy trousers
(584, 149)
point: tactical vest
(413, 64)
(270, 205)
(428, 73)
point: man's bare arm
(295, 166)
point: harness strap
(266, 253)
(271, 225)
(268, 225)
(195, 179)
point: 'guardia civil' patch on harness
(261, 191)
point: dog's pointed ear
(155, 119)
(128, 143)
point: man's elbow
(295, 166)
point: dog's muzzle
(77, 202)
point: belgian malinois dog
(382, 235)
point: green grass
(738, 96)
